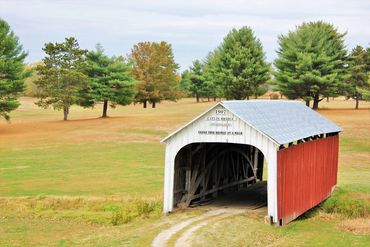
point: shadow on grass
(310, 213)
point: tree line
(312, 64)
(69, 75)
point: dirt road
(245, 201)
(188, 227)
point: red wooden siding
(307, 173)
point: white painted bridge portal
(218, 125)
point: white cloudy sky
(193, 27)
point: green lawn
(96, 169)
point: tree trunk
(316, 101)
(197, 96)
(214, 99)
(248, 97)
(327, 99)
(153, 104)
(357, 102)
(307, 102)
(105, 108)
(144, 103)
(65, 113)
(208, 99)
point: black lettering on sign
(220, 112)
(213, 119)
(210, 132)
(223, 119)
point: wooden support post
(240, 170)
(188, 171)
(215, 179)
(235, 169)
(255, 162)
(203, 169)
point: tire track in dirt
(185, 239)
(162, 238)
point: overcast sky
(193, 27)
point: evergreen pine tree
(60, 77)
(197, 80)
(358, 74)
(213, 87)
(185, 83)
(12, 70)
(110, 80)
(311, 62)
(241, 66)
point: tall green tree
(185, 83)
(241, 66)
(155, 70)
(311, 62)
(200, 82)
(358, 79)
(12, 70)
(197, 80)
(110, 80)
(212, 86)
(60, 76)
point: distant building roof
(282, 120)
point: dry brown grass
(45, 125)
(134, 123)
(359, 225)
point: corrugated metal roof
(282, 120)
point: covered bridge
(227, 146)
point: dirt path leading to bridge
(245, 201)
(195, 222)
(186, 237)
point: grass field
(99, 182)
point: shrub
(117, 217)
(131, 210)
(144, 208)
(121, 216)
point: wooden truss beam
(211, 168)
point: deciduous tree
(155, 70)
(12, 70)
(311, 62)
(60, 76)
